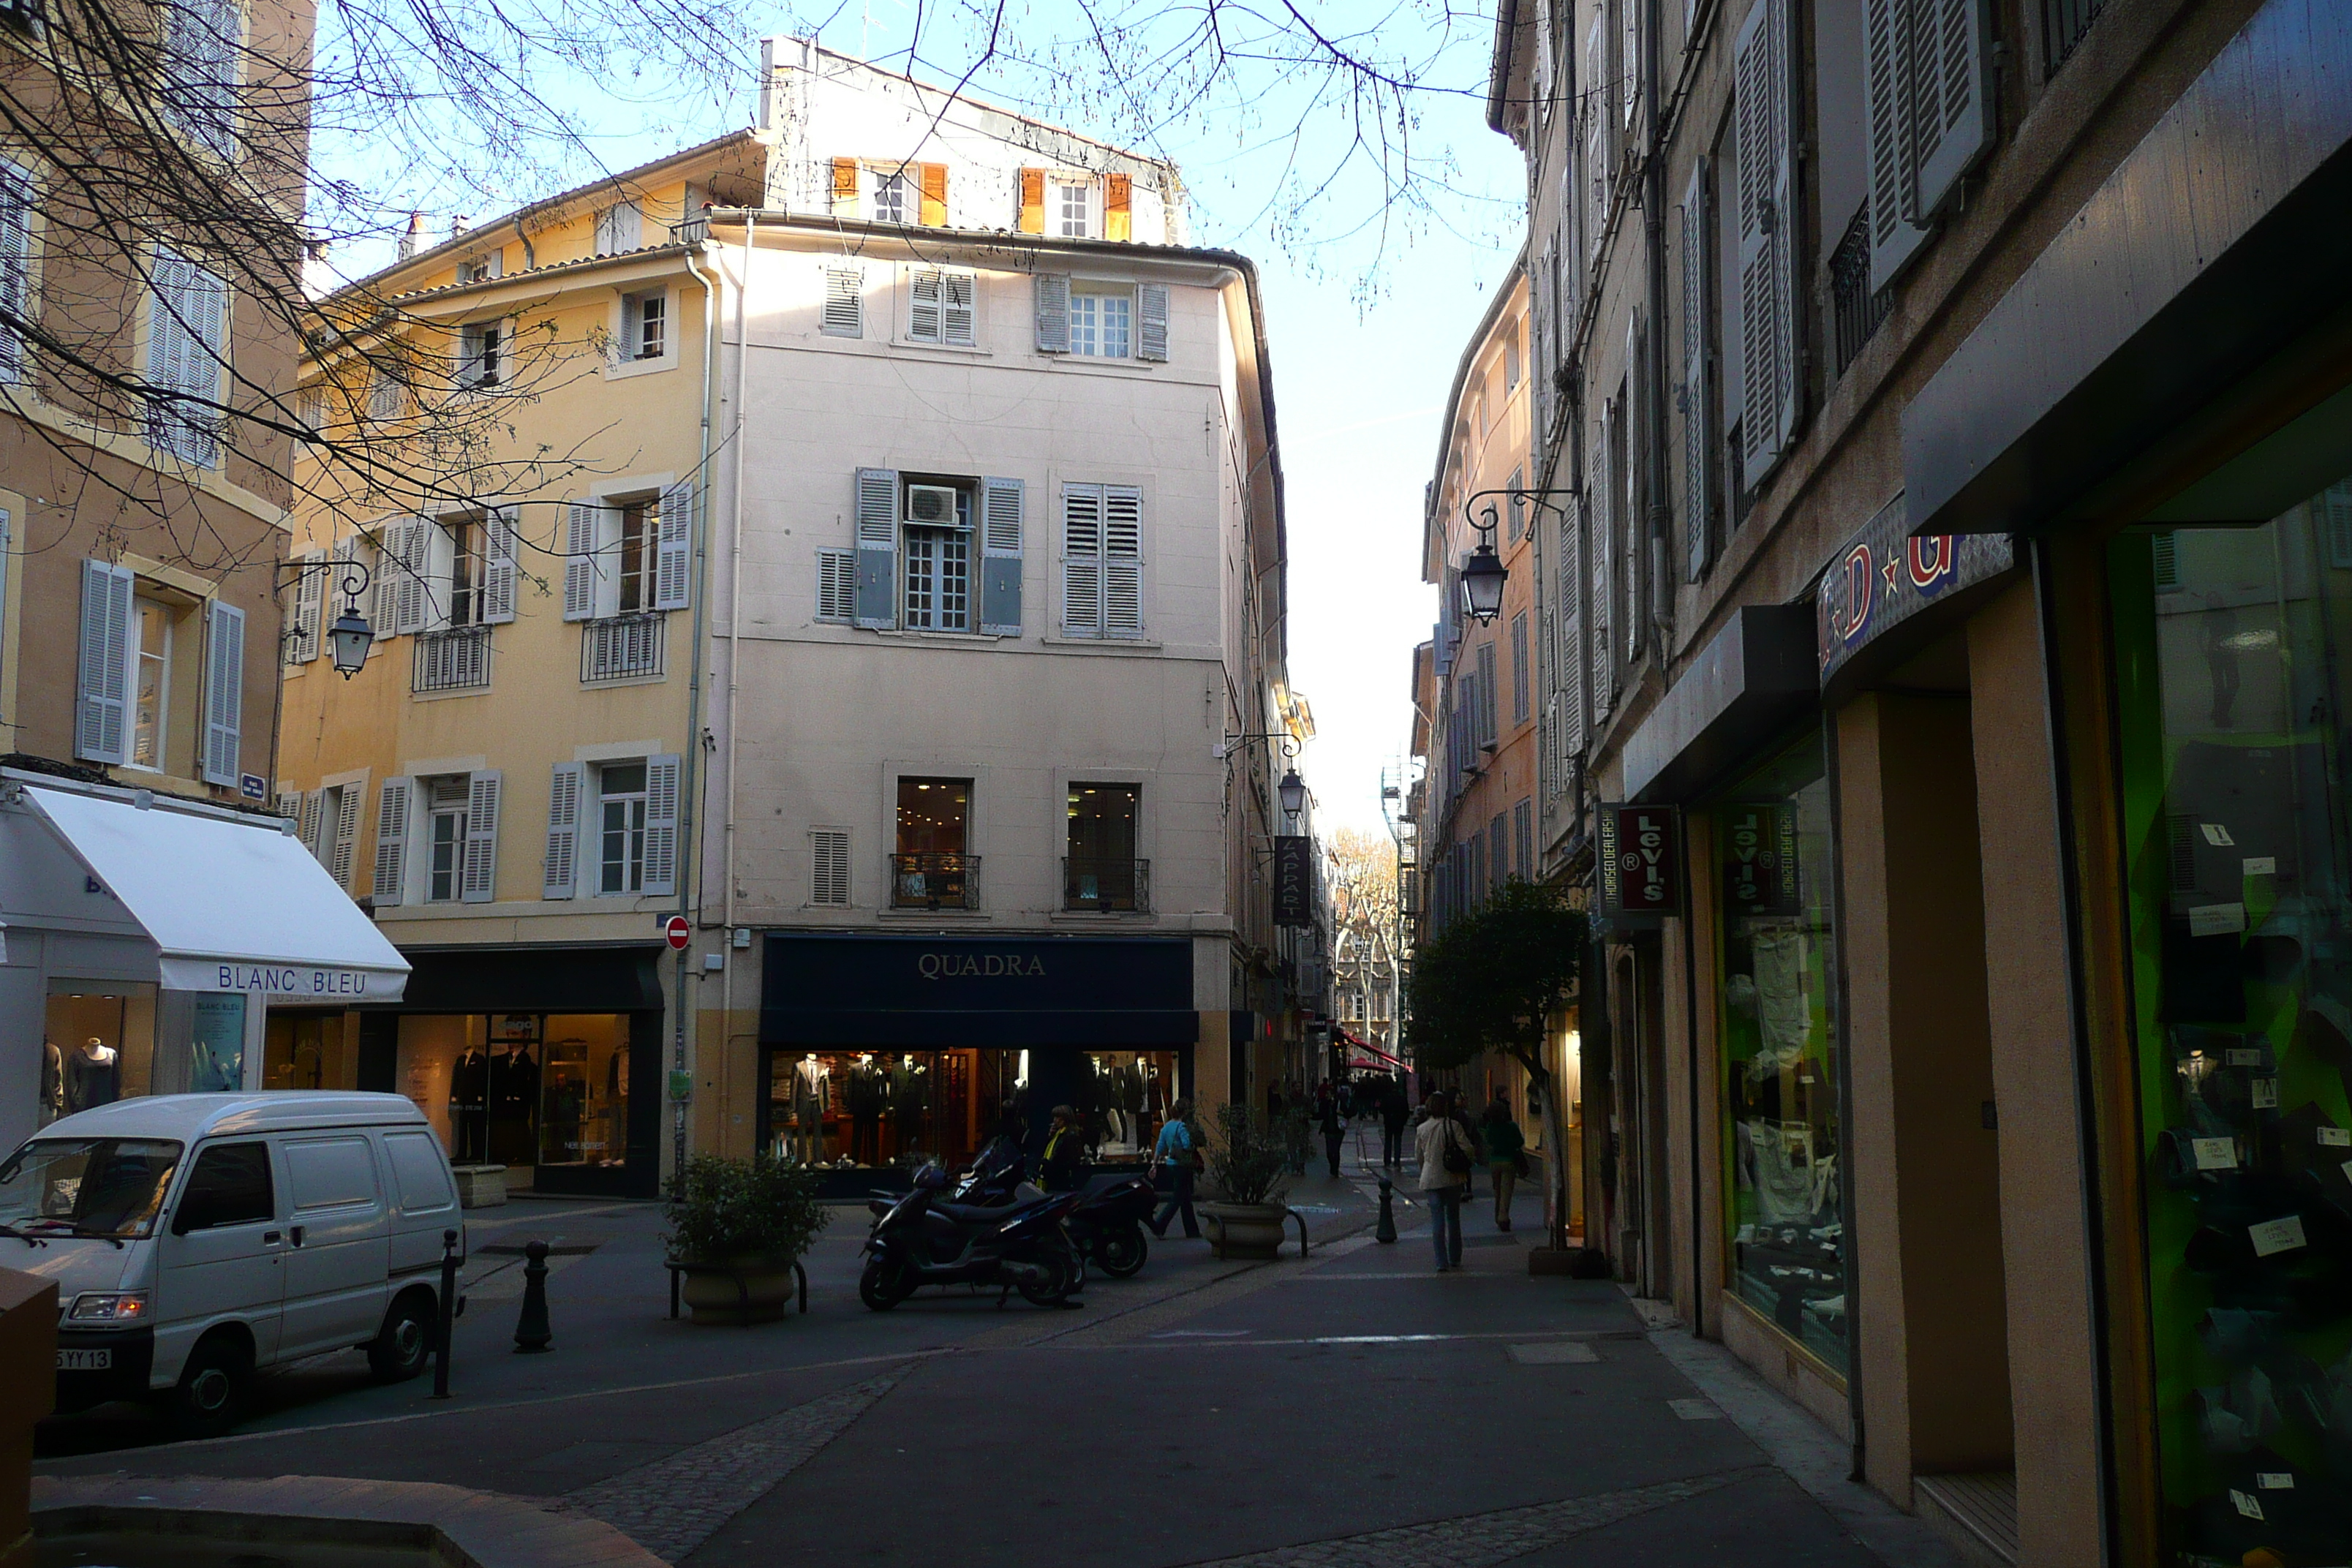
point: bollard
(530, 1330)
(442, 1334)
(1386, 1229)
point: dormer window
(1074, 210)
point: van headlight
(108, 1307)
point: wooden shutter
(391, 838)
(674, 547)
(935, 194)
(1767, 225)
(1119, 207)
(1953, 92)
(408, 558)
(1698, 396)
(845, 187)
(661, 827)
(828, 866)
(580, 571)
(1001, 506)
(223, 692)
(924, 314)
(290, 806)
(878, 548)
(383, 611)
(1151, 320)
(1032, 201)
(1890, 78)
(16, 197)
(1603, 661)
(1521, 698)
(303, 617)
(836, 584)
(500, 544)
(312, 800)
(845, 302)
(958, 307)
(1082, 560)
(1487, 732)
(562, 865)
(102, 721)
(478, 882)
(186, 347)
(348, 800)
(1053, 297)
(1122, 560)
(1572, 666)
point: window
(938, 579)
(1073, 211)
(1514, 505)
(1102, 561)
(1523, 838)
(1102, 871)
(202, 45)
(837, 585)
(942, 306)
(481, 270)
(633, 561)
(829, 866)
(890, 198)
(229, 1186)
(1511, 359)
(930, 868)
(1102, 322)
(1498, 849)
(386, 397)
(445, 838)
(151, 682)
(481, 361)
(1485, 711)
(619, 229)
(621, 808)
(329, 826)
(16, 194)
(645, 325)
(465, 596)
(187, 339)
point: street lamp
(348, 641)
(1293, 790)
(1484, 573)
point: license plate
(85, 1361)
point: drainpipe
(734, 638)
(1653, 214)
(680, 1055)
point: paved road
(1356, 1408)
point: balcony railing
(935, 880)
(1106, 886)
(457, 659)
(622, 647)
(1855, 309)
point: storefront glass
(2234, 661)
(99, 1046)
(1776, 964)
(525, 1091)
(308, 1048)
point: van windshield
(86, 1186)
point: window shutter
(290, 806)
(17, 196)
(1001, 505)
(1032, 201)
(562, 831)
(391, 838)
(1487, 729)
(878, 548)
(1890, 82)
(1520, 696)
(935, 194)
(1119, 207)
(1571, 637)
(828, 866)
(348, 801)
(101, 727)
(301, 641)
(845, 187)
(1053, 297)
(1698, 396)
(186, 342)
(1152, 321)
(500, 529)
(1952, 96)
(1767, 225)
(674, 547)
(1082, 562)
(412, 605)
(223, 692)
(845, 302)
(579, 560)
(661, 827)
(836, 584)
(478, 883)
(923, 305)
(312, 800)
(959, 314)
(1122, 560)
(1597, 637)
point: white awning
(231, 905)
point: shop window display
(308, 1050)
(2234, 656)
(584, 1090)
(522, 1089)
(98, 1046)
(849, 1110)
(1777, 963)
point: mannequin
(616, 1107)
(811, 1092)
(470, 1094)
(867, 1093)
(53, 1083)
(516, 1081)
(93, 1076)
(910, 1103)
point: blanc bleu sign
(291, 981)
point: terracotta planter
(1245, 1230)
(768, 1281)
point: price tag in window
(2277, 1235)
(2262, 865)
(2216, 1154)
(2216, 920)
(2335, 1137)
(2265, 1093)
(2245, 1503)
(2241, 1059)
(2215, 835)
(2273, 1480)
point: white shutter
(202, 45)
(1952, 96)
(391, 838)
(1767, 225)
(413, 606)
(348, 801)
(1122, 560)
(1698, 393)
(101, 724)
(836, 584)
(1151, 320)
(674, 546)
(187, 320)
(661, 827)
(923, 311)
(17, 193)
(562, 831)
(845, 302)
(384, 614)
(1052, 292)
(1001, 507)
(828, 866)
(223, 692)
(959, 307)
(290, 806)
(1603, 661)
(312, 800)
(499, 531)
(1082, 560)
(1890, 78)
(877, 547)
(307, 614)
(619, 227)
(478, 884)
(580, 570)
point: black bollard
(441, 1333)
(530, 1330)
(1386, 1229)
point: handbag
(1457, 1158)
(1519, 1162)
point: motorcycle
(920, 1239)
(1106, 1225)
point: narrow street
(1324, 1411)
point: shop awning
(1362, 1053)
(231, 905)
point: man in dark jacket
(1394, 1114)
(1063, 1168)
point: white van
(194, 1237)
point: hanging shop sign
(1759, 859)
(1640, 860)
(1886, 574)
(1294, 881)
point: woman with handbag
(1506, 1152)
(1177, 1159)
(1446, 1157)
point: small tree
(1491, 982)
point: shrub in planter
(1249, 1163)
(756, 1216)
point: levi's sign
(1639, 859)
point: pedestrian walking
(1446, 1159)
(1504, 1147)
(1326, 1116)
(1177, 1159)
(1395, 1113)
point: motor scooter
(1106, 1225)
(920, 1239)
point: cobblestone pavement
(1481, 1539)
(671, 1506)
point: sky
(1369, 301)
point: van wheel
(405, 1345)
(212, 1390)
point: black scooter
(1106, 1225)
(923, 1240)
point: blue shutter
(1001, 506)
(878, 548)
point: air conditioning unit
(933, 506)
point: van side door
(221, 1257)
(338, 1248)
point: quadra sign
(1640, 860)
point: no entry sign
(677, 932)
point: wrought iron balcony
(622, 647)
(1106, 886)
(1855, 308)
(935, 880)
(455, 659)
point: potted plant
(747, 1219)
(1249, 1166)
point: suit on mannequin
(811, 1093)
